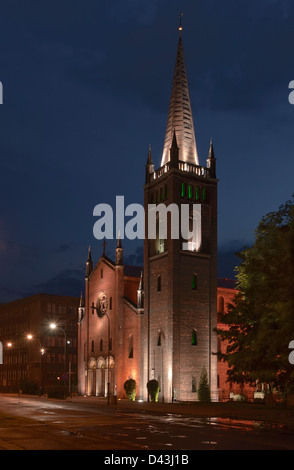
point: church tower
(180, 273)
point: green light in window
(197, 193)
(183, 193)
(194, 338)
(190, 191)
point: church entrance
(105, 375)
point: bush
(203, 388)
(130, 389)
(153, 389)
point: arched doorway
(110, 372)
(100, 377)
(105, 375)
(91, 375)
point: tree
(130, 389)
(203, 388)
(153, 389)
(260, 324)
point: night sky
(86, 88)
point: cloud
(68, 282)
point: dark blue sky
(86, 90)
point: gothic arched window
(194, 337)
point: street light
(53, 326)
(30, 337)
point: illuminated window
(183, 190)
(197, 193)
(204, 194)
(194, 281)
(194, 337)
(159, 242)
(190, 191)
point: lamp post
(30, 337)
(53, 326)
(101, 314)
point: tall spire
(119, 252)
(89, 264)
(180, 119)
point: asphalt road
(41, 424)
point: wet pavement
(88, 424)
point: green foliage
(130, 389)
(260, 323)
(203, 388)
(153, 389)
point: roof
(133, 271)
(226, 283)
(180, 118)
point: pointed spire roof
(141, 281)
(180, 119)
(149, 157)
(119, 245)
(211, 150)
(82, 304)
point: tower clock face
(102, 305)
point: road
(40, 424)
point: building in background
(38, 343)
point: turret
(149, 166)
(81, 308)
(119, 252)
(89, 264)
(211, 162)
(140, 294)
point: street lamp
(30, 337)
(53, 326)
(100, 314)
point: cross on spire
(180, 25)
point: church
(158, 321)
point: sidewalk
(277, 417)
